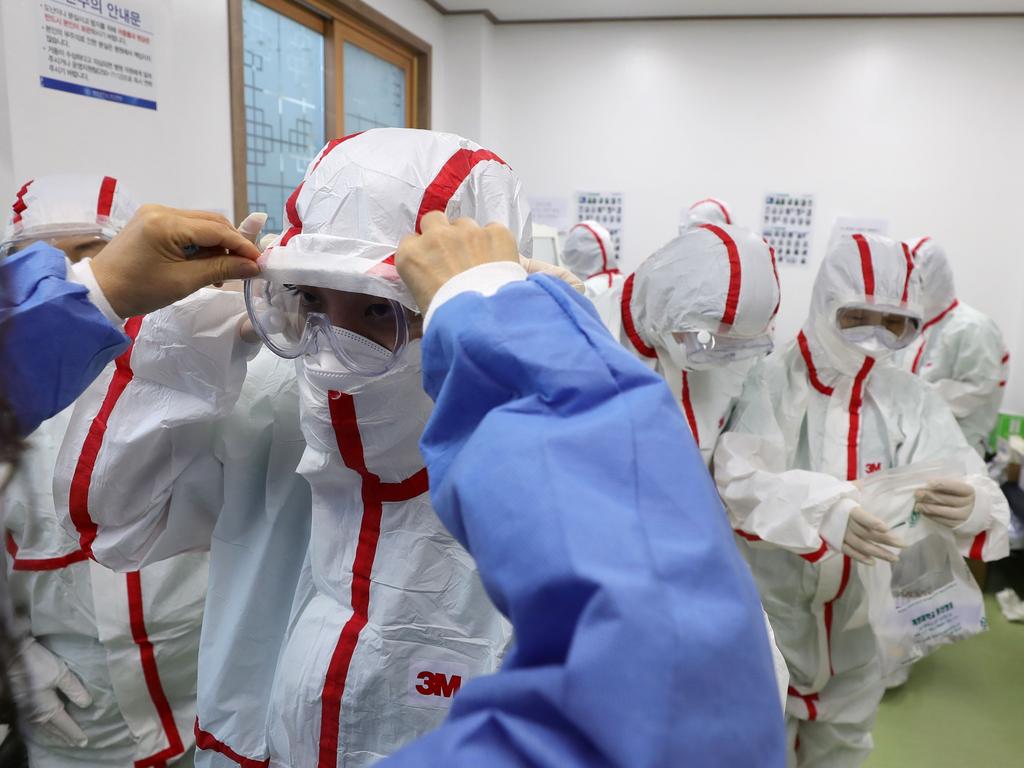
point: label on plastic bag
(944, 615)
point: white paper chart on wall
(606, 209)
(788, 220)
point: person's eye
(306, 299)
(378, 311)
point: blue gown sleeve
(565, 468)
(53, 340)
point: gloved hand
(867, 538)
(37, 679)
(533, 266)
(949, 501)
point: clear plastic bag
(928, 598)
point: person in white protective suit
(191, 449)
(108, 661)
(710, 210)
(830, 408)
(700, 312)
(590, 254)
(961, 350)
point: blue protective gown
(565, 468)
(53, 340)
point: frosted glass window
(374, 91)
(284, 106)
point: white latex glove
(37, 680)
(948, 501)
(867, 538)
(533, 266)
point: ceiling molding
(486, 13)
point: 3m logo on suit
(438, 684)
(872, 467)
(434, 682)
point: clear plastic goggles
(365, 333)
(892, 327)
(52, 236)
(707, 348)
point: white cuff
(81, 273)
(485, 279)
(833, 525)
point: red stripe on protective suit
(105, 201)
(691, 417)
(775, 271)
(448, 180)
(374, 495)
(1006, 359)
(809, 701)
(20, 206)
(938, 318)
(629, 326)
(920, 242)
(856, 401)
(291, 205)
(151, 673)
(41, 563)
(600, 244)
(828, 609)
(78, 499)
(978, 546)
(812, 372)
(910, 269)
(867, 268)
(811, 557)
(732, 300)
(207, 741)
(721, 207)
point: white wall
(179, 155)
(918, 122)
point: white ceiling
(520, 10)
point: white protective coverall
(714, 278)
(961, 350)
(814, 417)
(590, 254)
(131, 638)
(710, 210)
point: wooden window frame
(339, 21)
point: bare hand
(148, 266)
(428, 261)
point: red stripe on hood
(600, 244)
(812, 372)
(105, 201)
(629, 326)
(867, 268)
(732, 300)
(910, 269)
(719, 203)
(456, 170)
(20, 206)
(917, 247)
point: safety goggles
(892, 327)
(52, 236)
(365, 333)
(707, 348)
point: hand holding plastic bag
(38, 678)
(948, 501)
(867, 538)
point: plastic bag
(928, 598)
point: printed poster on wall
(550, 211)
(606, 209)
(788, 220)
(99, 49)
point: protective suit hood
(363, 193)
(68, 204)
(862, 269)
(935, 275)
(711, 210)
(589, 251)
(721, 279)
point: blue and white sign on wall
(99, 48)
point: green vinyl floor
(962, 707)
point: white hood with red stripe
(362, 194)
(63, 205)
(859, 269)
(589, 251)
(932, 269)
(721, 279)
(711, 210)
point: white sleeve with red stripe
(802, 511)
(137, 479)
(979, 369)
(984, 535)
